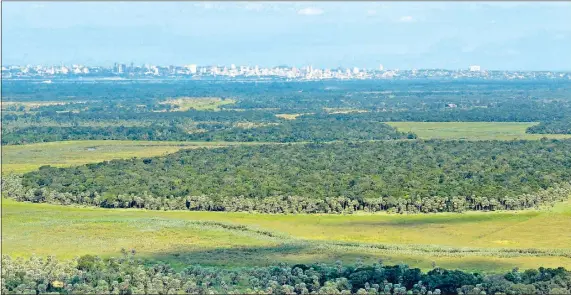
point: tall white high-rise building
(192, 68)
(381, 67)
(474, 68)
(355, 70)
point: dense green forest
(129, 275)
(402, 176)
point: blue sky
(405, 35)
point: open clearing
(288, 116)
(472, 130)
(344, 110)
(198, 103)
(490, 242)
(29, 157)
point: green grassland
(472, 130)
(29, 157)
(198, 103)
(490, 242)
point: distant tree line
(406, 176)
(288, 131)
(129, 275)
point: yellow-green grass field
(28, 157)
(198, 103)
(288, 116)
(489, 242)
(344, 110)
(472, 130)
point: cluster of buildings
(257, 72)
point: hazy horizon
(448, 35)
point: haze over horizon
(405, 35)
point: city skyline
(495, 35)
(257, 73)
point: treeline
(404, 176)
(49, 134)
(287, 131)
(129, 275)
(287, 204)
(552, 127)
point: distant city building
(355, 70)
(474, 68)
(192, 68)
(381, 67)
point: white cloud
(310, 11)
(406, 19)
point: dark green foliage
(128, 275)
(413, 176)
(552, 127)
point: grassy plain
(472, 130)
(25, 158)
(198, 103)
(288, 116)
(495, 241)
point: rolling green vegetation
(474, 154)
(473, 130)
(396, 176)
